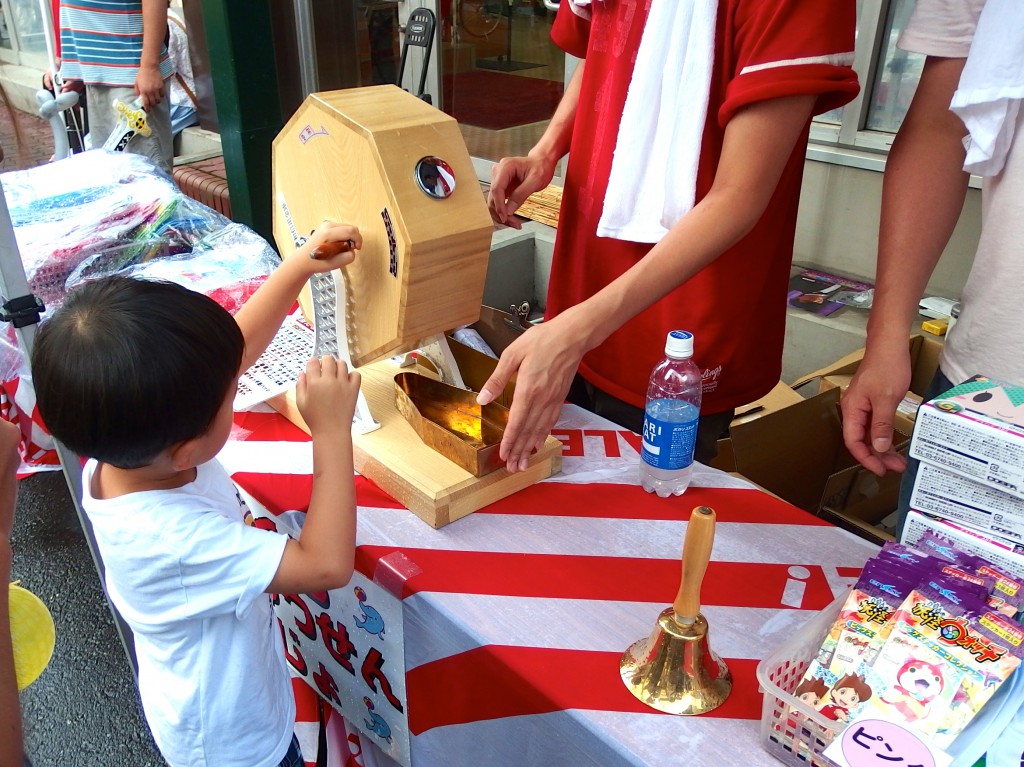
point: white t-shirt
(189, 578)
(986, 338)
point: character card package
(1007, 556)
(881, 588)
(1005, 593)
(897, 551)
(942, 661)
(884, 586)
(975, 430)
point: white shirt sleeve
(227, 565)
(943, 28)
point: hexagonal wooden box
(352, 155)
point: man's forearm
(553, 145)
(922, 196)
(759, 140)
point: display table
(514, 618)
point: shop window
(22, 35)
(896, 75)
(888, 77)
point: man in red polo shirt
(716, 127)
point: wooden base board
(424, 481)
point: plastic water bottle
(670, 419)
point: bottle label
(668, 444)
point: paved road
(83, 711)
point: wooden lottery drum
(397, 168)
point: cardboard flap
(497, 328)
(809, 432)
(476, 367)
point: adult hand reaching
(869, 410)
(544, 360)
(514, 179)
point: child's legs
(294, 756)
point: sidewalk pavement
(36, 146)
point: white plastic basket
(791, 731)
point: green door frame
(240, 42)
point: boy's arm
(323, 557)
(262, 315)
(148, 82)
(922, 194)
(758, 143)
(516, 178)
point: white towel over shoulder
(992, 85)
(654, 169)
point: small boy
(139, 377)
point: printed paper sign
(347, 644)
(872, 742)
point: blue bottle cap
(679, 344)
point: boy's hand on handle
(869, 411)
(332, 246)
(326, 395)
(512, 181)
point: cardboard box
(782, 396)
(976, 430)
(924, 361)
(797, 452)
(958, 499)
(1009, 557)
(498, 330)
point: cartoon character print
(371, 621)
(846, 695)
(986, 397)
(918, 683)
(811, 692)
(376, 723)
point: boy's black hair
(127, 368)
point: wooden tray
(434, 488)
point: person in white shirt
(140, 377)
(969, 96)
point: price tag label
(872, 742)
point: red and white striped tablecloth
(515, 617)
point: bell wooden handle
(700, 537)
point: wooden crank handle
(328, 249)
(700, 537)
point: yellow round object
(32, 634)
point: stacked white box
(973, 430)
(958, 499)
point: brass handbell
(674, 670)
